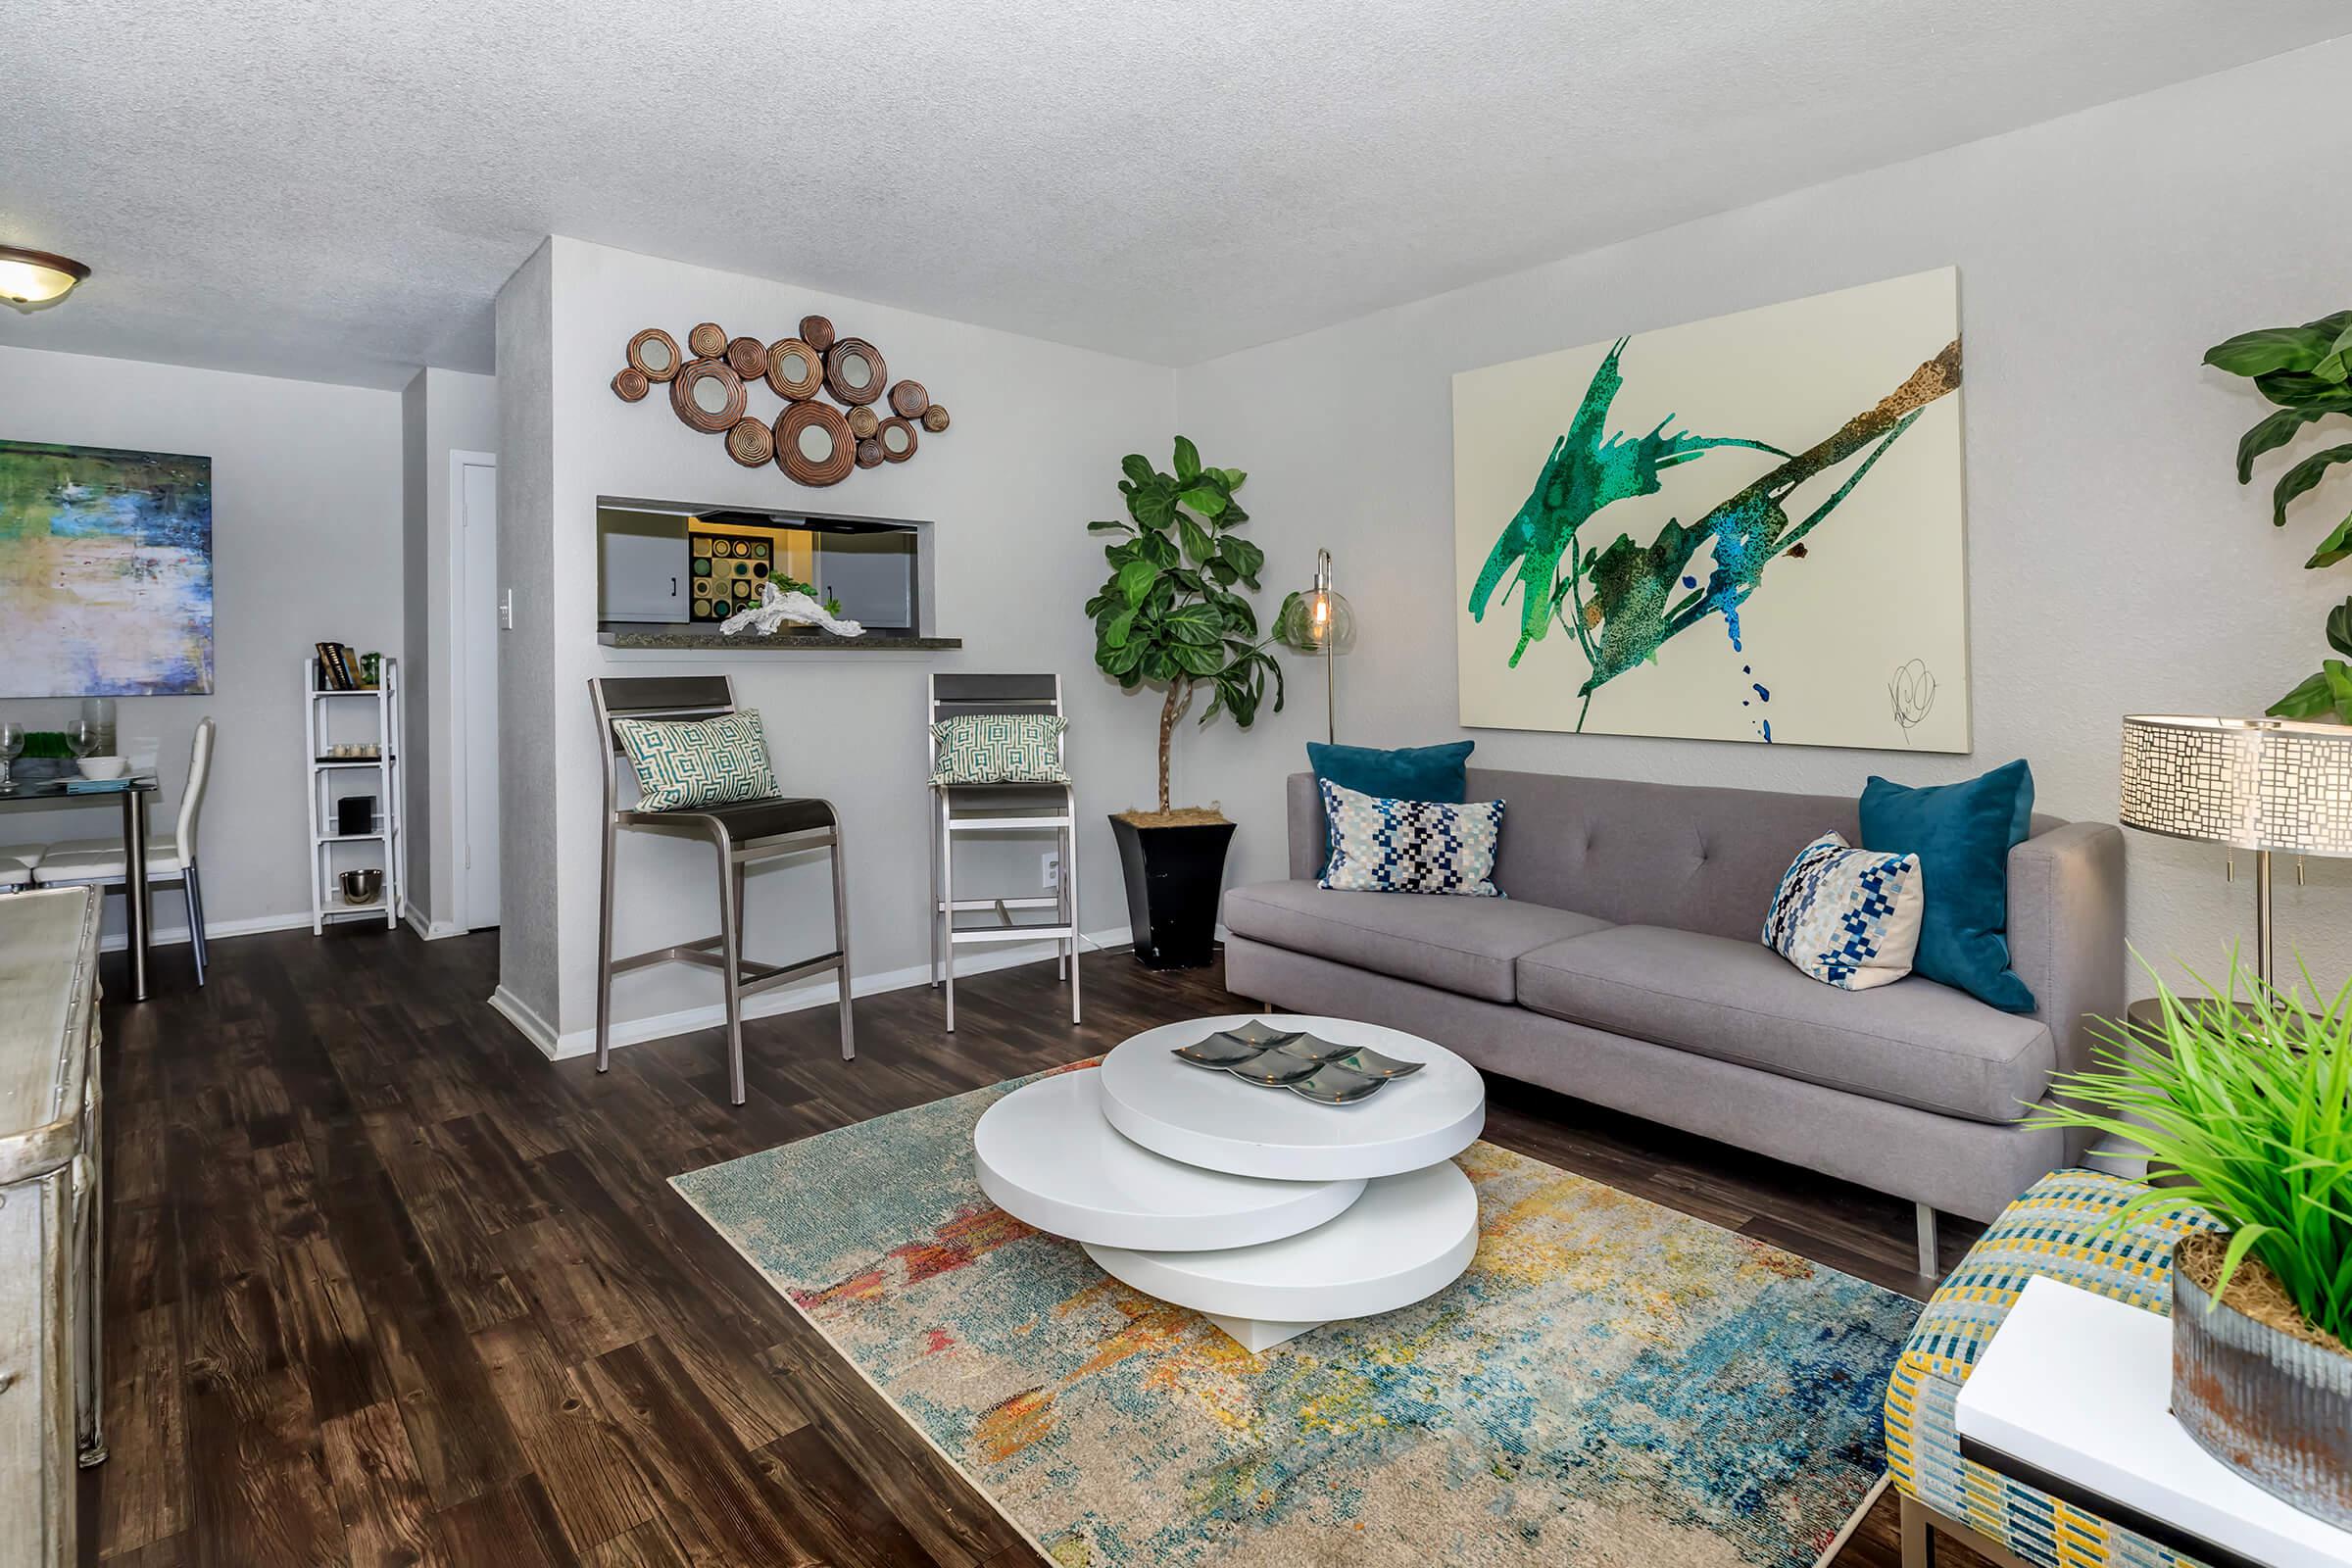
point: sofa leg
(1926, 1242)
(1919, 1537)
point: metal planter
(2275, 1408)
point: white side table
(2071, 1397)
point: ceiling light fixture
(36, 277)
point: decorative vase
(1174, 876)
(2271, 1406)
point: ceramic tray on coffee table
(1267, 1213)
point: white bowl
(104, 767)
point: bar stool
(744, 832)
(962, 808)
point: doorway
(473, 683)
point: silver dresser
(49, 1218)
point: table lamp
(2269, 785)
(1320, 621)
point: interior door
(476, 494)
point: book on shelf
(338, 667)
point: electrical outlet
(1050, 867)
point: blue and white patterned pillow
(682, 764)
(1000, 749)
(1848, 916)
(1382, 845)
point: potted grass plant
(2245, 1111)
(1175, 616)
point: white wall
(441, 412)
(2115, 565)
(1034, 452)
(306, 547)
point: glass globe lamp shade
(35, 277)
(1319, 620)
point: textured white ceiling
(336, 191)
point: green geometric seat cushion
(2056, 1229)
(1000, 749)
(711, 762)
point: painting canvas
(1747, 528)
(106, 572)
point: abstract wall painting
(1747, 528)
(106, 572)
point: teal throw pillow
(1000, 749)
(683, 764)
(1962, 834)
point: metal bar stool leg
(946, 894)
(203, 951)
(604, 951)
(730, 953)
(936, 896)
(841, 941)
(1069, 883)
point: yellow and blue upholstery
(2058, 1229)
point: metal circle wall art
(708, 396)
(795, 369)
(747, 356)
(813, 445)
(751, 442)
(654, 355)
(853, 371)
(814, 442)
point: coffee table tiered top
(1264, 1210)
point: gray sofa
(1624, 968)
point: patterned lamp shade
(2254, 783)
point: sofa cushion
(1467, 945)
(1913, 1043)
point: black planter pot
(1174, 876)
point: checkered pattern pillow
(1380, 845)
(684, 765)
(1846, 916)
(1000, 749)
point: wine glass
(12, 747)
(81, 737)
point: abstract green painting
(1746, 528)
(106, 572)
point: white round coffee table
(1046, 1157)
(1265, 1211)
(1215, 1120)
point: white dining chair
(15, 867)
(170, 857)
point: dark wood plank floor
(385, 1287)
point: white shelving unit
(342, 719)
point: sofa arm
(1309, 835)
(2066, 931)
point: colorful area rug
(1611, 1383)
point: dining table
(134, 792)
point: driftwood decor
(814, 442)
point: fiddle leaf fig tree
(2307, 372)
(1170, 616)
